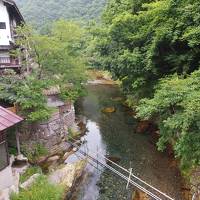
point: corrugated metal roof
(8, 119)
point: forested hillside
(41, 12)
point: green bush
(40, 190)
(29, 172)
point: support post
(18, 143)
(129, 178)
(97, 158)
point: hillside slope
(40, 12)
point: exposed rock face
(68, 174)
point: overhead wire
(120, 174)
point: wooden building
(10, 18)
(7, 120)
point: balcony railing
(4, 60)
(8, 62)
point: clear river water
(114, 134)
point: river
(114, 134)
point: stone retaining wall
(52, 133)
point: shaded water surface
(113, 134)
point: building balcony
(7, 62)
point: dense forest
(152, 47)
(41, 13)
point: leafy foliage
(143, 42)
(56, 60)
(176, 106)
(152, 47)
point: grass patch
(40, 190)
(29, 172)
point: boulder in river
(143, 126)
(68, 174)
(109, 110)
(138, 195)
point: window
(2, 25)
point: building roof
(14, 10)
(8, 119)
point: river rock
(21, 158)
(82, 127)
(109, 110)
(143, 126)
(66, 155)
(53, 158)
(67, 175)
(138, 195)
(41, 160)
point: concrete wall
(6, 178)
(5, 34)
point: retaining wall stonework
(52, 133)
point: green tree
(141, 42)
(176, 108)
(56, 60)
(152, 47)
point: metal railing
(9, 61)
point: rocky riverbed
(116, 134)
